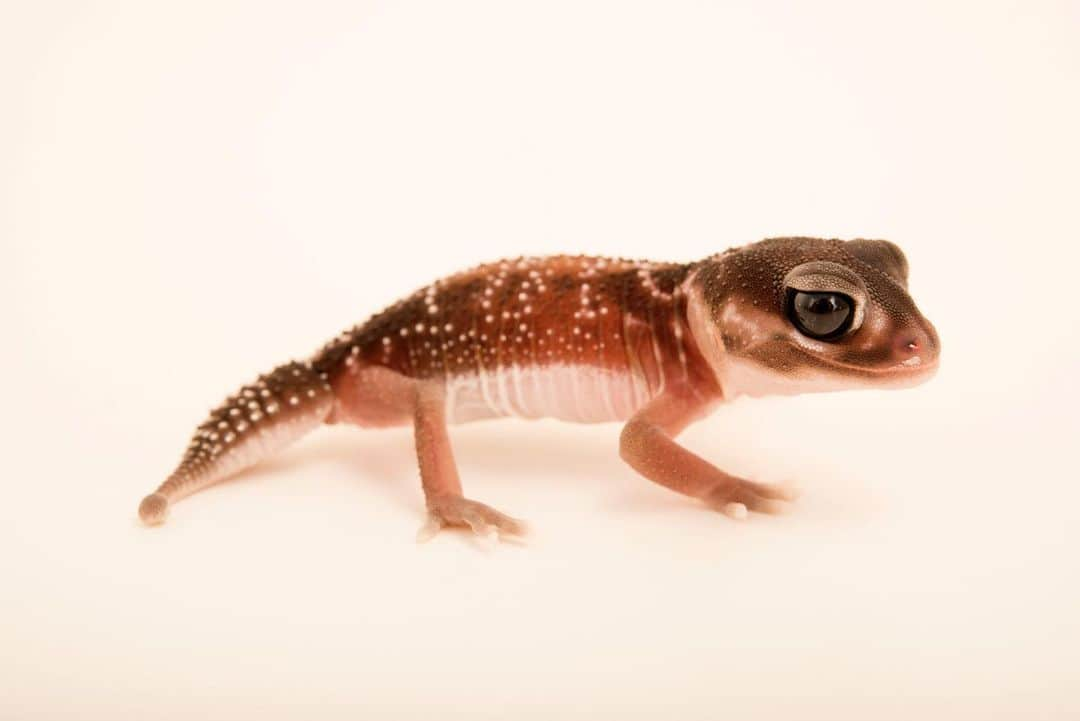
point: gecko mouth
(913, 367)
(910, 370)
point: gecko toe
(430, 529)
(775, 492)
(484, 521)
(736, 499)
(736, 511)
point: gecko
(653, 345)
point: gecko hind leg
(446, 506)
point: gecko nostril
(908, 346)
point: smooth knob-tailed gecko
(586, 339)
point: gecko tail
(250, 425)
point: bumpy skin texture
(584, 339)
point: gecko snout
(916, 345)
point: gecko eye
(823, 316)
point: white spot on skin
(735, 510)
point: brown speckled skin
(586, 339)
(576, 310)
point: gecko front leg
(647, 444)
(446, 506)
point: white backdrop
(191, 193)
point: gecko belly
(580, 394)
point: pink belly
(581, 394)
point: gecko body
(588, 340)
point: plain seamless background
(192, 193)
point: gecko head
(797, 315)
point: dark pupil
(823, 304)
(820, 315)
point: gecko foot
(735, 497)
(484, 520)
